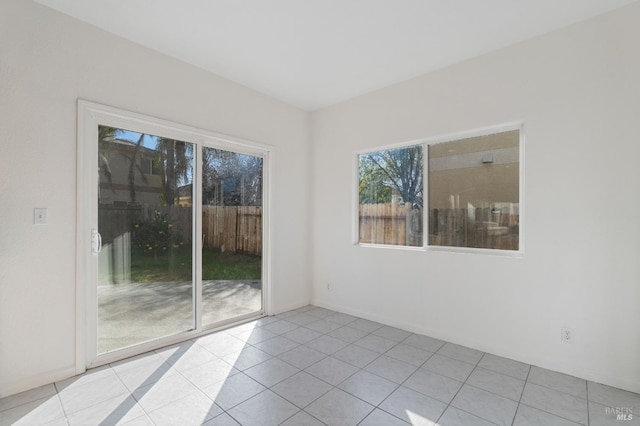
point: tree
(106, 135)
(231, 178)
(156, 235)
(134, 165)
(400, 169)
(106, 138)
(373, 187)
(174, 162)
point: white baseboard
(627, 384)
(290, 306)
(7, 389)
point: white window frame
(356, 194)
(90, 115)
(426, 143)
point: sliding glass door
(145, 219)
(231, 234)
(170, 232)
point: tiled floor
(312, 366)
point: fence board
(233, 228)
(228, 228)
(387, 224)
(478, 228)
(249, 229)
(393, 224)
(115, 220)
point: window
(390, 186)
(472, 193)
(172, 232)
(149, 166)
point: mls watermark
(620, 413)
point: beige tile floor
(312, 366)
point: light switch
(40, 216)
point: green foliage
(107, 137)
(107, 134)
(174, 161)
(397, 170)
(219, 265)
(230, 178)
(177, 266)
(156, 236)
(374, 186)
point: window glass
(474, 192)
(232, 243)
(146, 225)
(390, 189)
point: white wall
(47, 61)
(578, 92)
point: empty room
(302, 212)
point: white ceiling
(314, 53)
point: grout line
(526, 379)
(358, 369)
(459, 389)
(586, 384)
(64, 410)
(545, 411)
(304, 370)
(398, 385)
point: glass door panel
(231, 234)
(145, 218)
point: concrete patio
(133, 313)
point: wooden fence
(391, 224)
(228, 228)
(478, 228)
(402, 225)
(233, 228)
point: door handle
(96, 241)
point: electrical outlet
(567, 335)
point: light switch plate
(40, 216)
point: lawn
(176, 265)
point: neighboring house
(115, 166)
(476, 172)
(185, 196)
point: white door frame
(90, 115)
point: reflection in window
(231, 178)
(145, 217)
(232, 245)
(390, 190)
(144, 169)
(474, 192)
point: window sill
(516, 254)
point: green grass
(175, 265)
